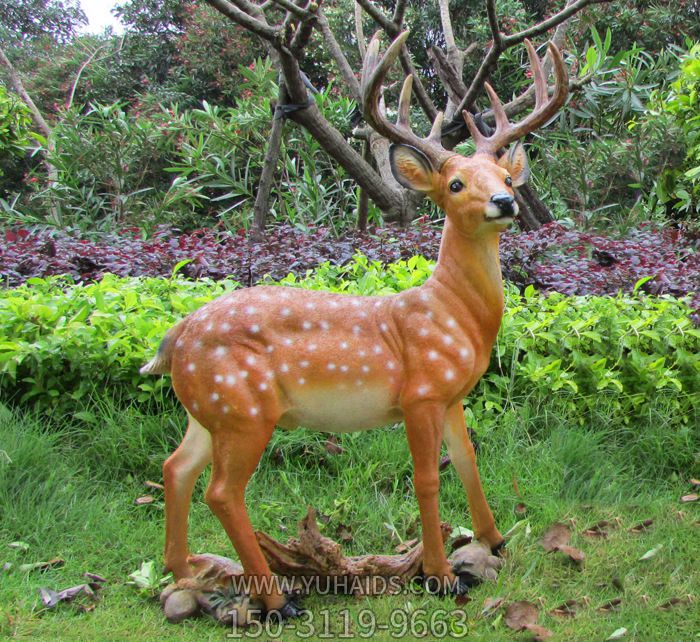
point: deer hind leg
(180, 472)
(424, 428)
(461, 452)
(236, 455)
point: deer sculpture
(271, 356)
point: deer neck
(468, 272)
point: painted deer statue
(271, 356)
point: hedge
(59, 341)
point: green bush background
(60, 340)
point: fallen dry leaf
(617, 634)
(520, 614)
(538, 632)
(695, 482)
(516, 488)
(600, 529)
(344, 533)
(574, 554)
(56, 562)
(444, 462)
(555, 536)
(333, 447)
(652, 552)
(641, 528)
(461, 600)
(144, 500)
(491, 604)
(675, 601)
(686, 499)
(153, 485)
(567, 609)
(460, 541)
(610, 606)
(520, 509)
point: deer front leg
(180, 472)
(424, 429)
(461, 452)
(236, 455)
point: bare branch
(385, 23)
(90, 59)
(359, 31)
(546, 25)
(258, 27)
(493, 23)
(421, 94)
(295, 9)
(399, 12)
(448, 75)
(339, 57)
(303, 34)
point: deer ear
(411, 167)
(515, 161)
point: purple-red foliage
(552, 259)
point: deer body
(268, 356)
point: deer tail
(160, 364)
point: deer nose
(505, 203)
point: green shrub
(58, 341)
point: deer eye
(456, 186)
(509, 181)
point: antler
(374, 71)
(544, 109)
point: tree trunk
(262, 198)
(533, 212)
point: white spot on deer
(363, 315)
(218, 378)
(254, 411)
(262, 387)
(464, 353)
(225, 327)
(362, 353)
(288, 341)
(195, 406)
(284, 368)
(310, 306)
(377, 349)
(210, 327)
(423, 332)
(359, 382)
(391, 365)
(377, 304)
(423, 390)
(269, 374)
(449, 374)
(284, 294)
(250, 310)
(306, 325)
(343, 345)
(334, 304)
(221, 351)
(344, 368)
(355, 303)
(243, 374)
(451, 323)
(285, 312)
(250, 360)
(191, 367)
(198, 344)
(301, 381)
(365, 368)
(331, 366)
(179, 342)
(423, 296)
(401, 303)
(356, 329)
(230, 380)
(433, 355)
(232, 312)
(324, 325)
(270, 348)
(254, 329)
(383, 327)
(214, 396)
(429, 314)
(304, 364)
(225, 409)
(448, 340)
(312, 347)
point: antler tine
(374, 71)
(545, 107)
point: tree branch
(399, 12)
(359, 31)
(343, 65)
(493, 23)
(256, 26)
(385, 23)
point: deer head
(476, 193)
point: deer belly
(337, 410)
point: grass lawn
(67, 490)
